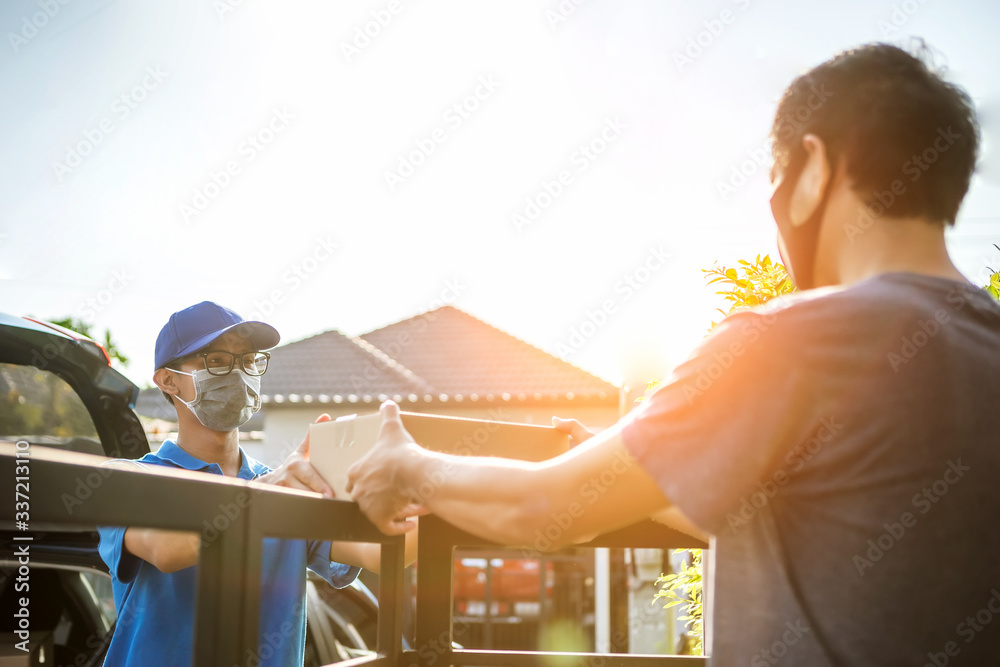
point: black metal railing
(229, 571)
(434, 616)
(229, 574)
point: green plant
(761, 281)
(751, 284)
(81, 327)
(688, 584)
(993, 287)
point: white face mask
(223, 402)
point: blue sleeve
(338, 574)
(122, 564)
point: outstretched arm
(591, 489)
(670, 516)
(170, 551)
(167, 550)
(369, 556)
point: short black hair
(891, 117)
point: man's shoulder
(155, 459)
(890, 295)
(255, 467)
(141, 463)
(837, 301)
(791, 315)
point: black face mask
(799, 242)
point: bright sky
(159, 154)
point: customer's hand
(296, 472)
(577, 431)
(378, 482)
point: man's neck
(210, 446)
(910, 245)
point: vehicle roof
(108, 395)
(8, 320)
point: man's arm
(591, 489)
(170, 551)
(369, 556)
(672, 517)
(166, 550)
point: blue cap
(193, 328)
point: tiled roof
(152, 404)
(332, 368)
(460, 355)
(439, 356)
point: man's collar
(251, 468)
(171, 451)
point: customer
(843, 447)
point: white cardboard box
(335, 445)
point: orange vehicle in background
(505, 601)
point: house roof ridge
(521, 340)
(366, 354)
(394, 365)
(498, 330)
(315, 335)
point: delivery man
(842, 447)
(209, 363)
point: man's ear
(164, 379)
(812, 181)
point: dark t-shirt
(844, 449)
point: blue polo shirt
(156, 610)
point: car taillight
(95, 348)
(107, 357)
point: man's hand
(378, 481)
(297, 472)
(577, 431)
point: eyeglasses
(220, 362)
